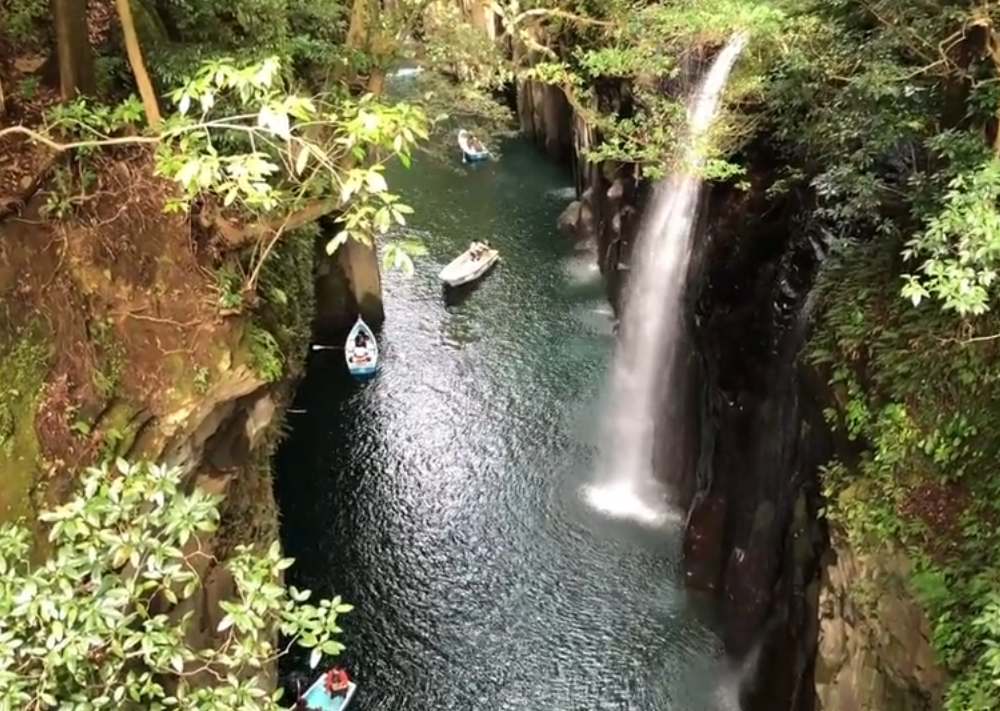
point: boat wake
(624, 500)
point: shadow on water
(456, 295)
(443, 498)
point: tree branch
(63, 147)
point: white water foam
(567, 193)
(582, 269)
(651, 325)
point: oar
(321, 347)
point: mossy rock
(23, 367)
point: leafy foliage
(920, 398)
(104, 621)
(629, 67)
(881, 117)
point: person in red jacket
(336, 681)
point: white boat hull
(368, 366)
(470, 154)
(317, 698)
(465, 270)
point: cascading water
(644, 361)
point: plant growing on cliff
(243, 144)
(106, 620)
(648, 56)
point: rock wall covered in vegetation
(116, 340)
(830, 623)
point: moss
(107, 375)
(263, 354)
(23, 367)
(118, 428)
(249, 514)
(919, 404)
(288, 298)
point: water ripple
(443, 498)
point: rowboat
(361, 350)
(470, 265)
(471, 153)
(317, 698)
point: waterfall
(641, 380)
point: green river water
(443, 498)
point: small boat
(471, 153)
(469, 265)
(361, 350)
(317, 698)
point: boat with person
(470, 265)
(361, 350)
(332, 691)
(473, 150)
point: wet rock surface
(874, 642)
(605, 215)
(767, 439)
(753, 536)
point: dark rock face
(346, 285)
(605, 215)
(752, 533)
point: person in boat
(301, 705)
(296, 680)
(335, 681)
(360, 352)
(476, 251)
(476, 145)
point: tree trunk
(76, 57)
(149, 101)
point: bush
(103, 620)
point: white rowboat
(464, 269)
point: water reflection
(443, 498)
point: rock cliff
(874, 640)
(755, 535)
(124, 333)
(605, 214)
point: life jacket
(336, 680)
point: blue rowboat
(317, 698)
(472, 150)
(361, 350)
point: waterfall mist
(641, 384)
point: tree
(134, 51)
(76, 57)
(257, 160)
(102, 622)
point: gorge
(836, 468)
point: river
(443, 498)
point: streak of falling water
(651, 324)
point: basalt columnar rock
(874, 640)
(825, 627)
(348, 284)
(790, 598)
(604, 216)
